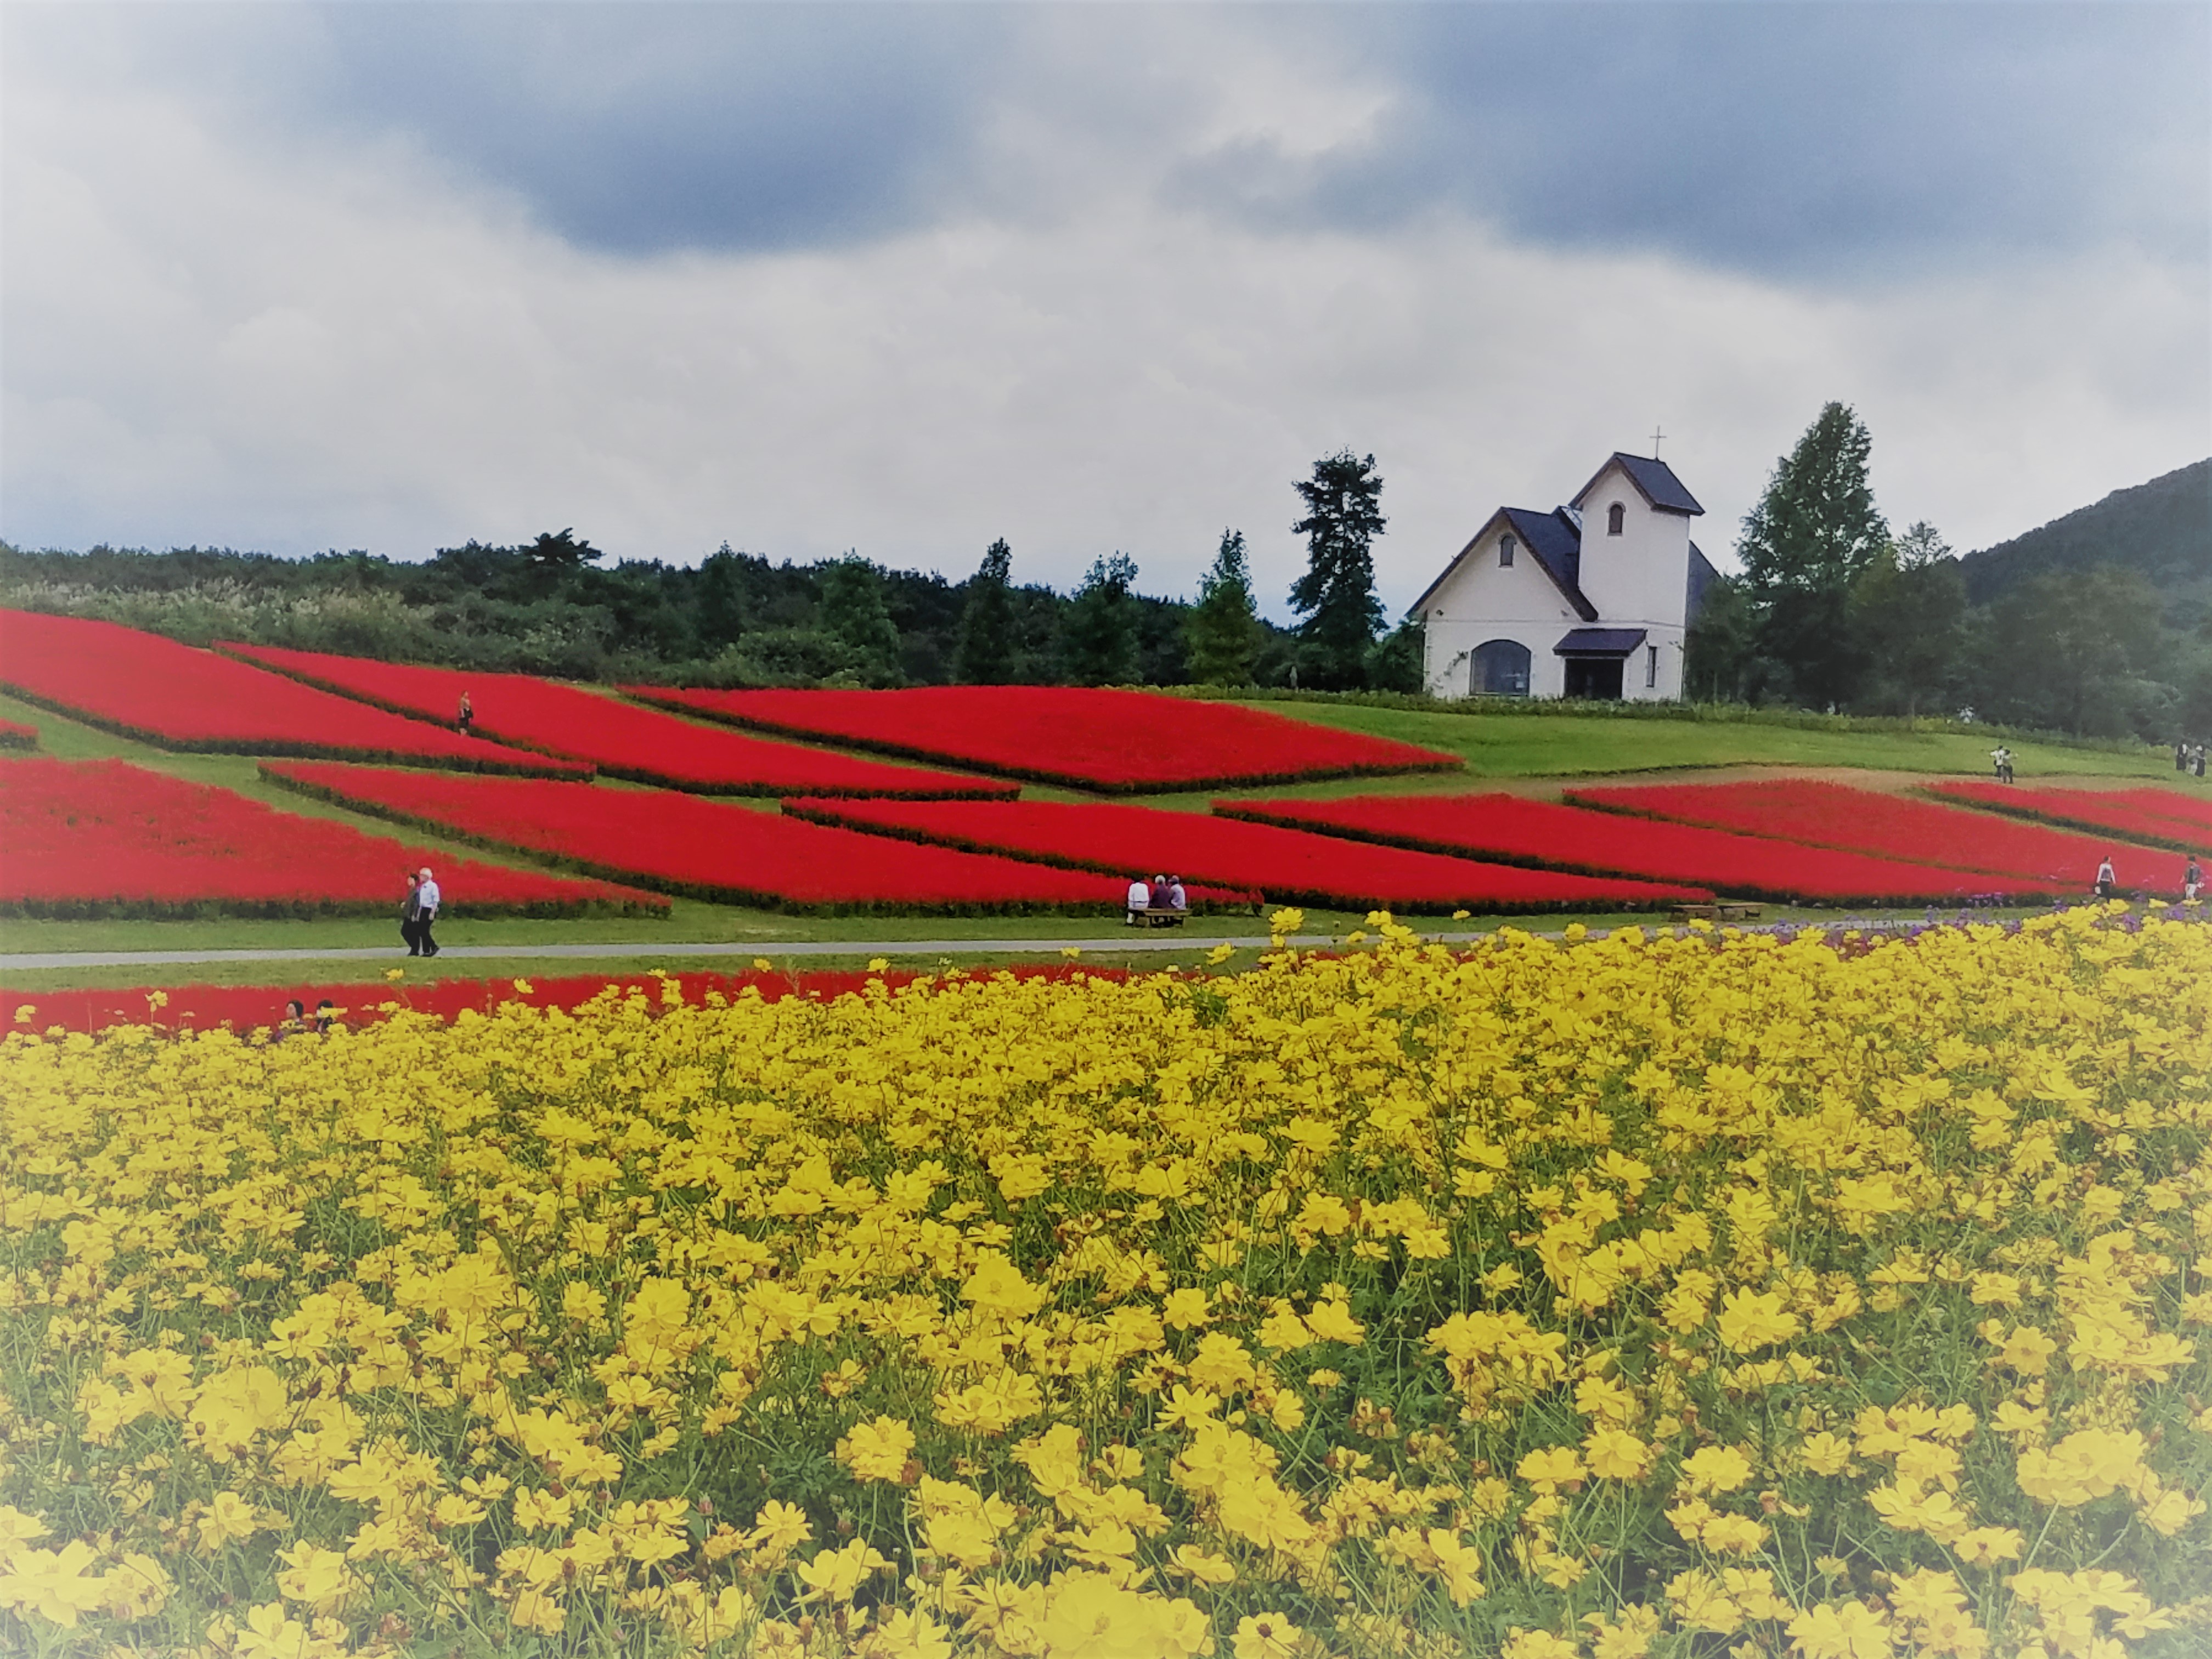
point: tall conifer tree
(984, 653)
(1337, 591)
(1221, 630)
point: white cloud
(293, 348)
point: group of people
(417, 911)
(295, 1017)
(2189, 758)
(2192, 879)
(1160, 898)
(2001, 758)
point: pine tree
(1222, 629)
(1337, 591)
(851, 612)
(984, 653)
(1812, 536)
(1098, 639)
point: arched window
(1505, 545)
(1500, 669)
(1614, 517)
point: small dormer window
(1505, 545)
(1614, 516)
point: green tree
(1396, 661)
(985, 654)
(1222, 629)
(1337, 592)
(2078, 650)
(1098, 638)
(1907, 616)
(1810, 537)
(853, 613)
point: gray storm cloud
(909, 278)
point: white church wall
(1638, 578)
(1517, 601)
(1642, 573)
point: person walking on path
(427, 900)
(411, 915)
(2106, 881)
(2000, 760)
(467, 716)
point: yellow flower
(1716, 1468)
(837, 1575)
(1266, 1635)
(1752, 1320)
(1848, 1630)
(1617, 1455)
(1185, 1309)
(878, 1451)
(54, 1583)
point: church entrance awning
(1599, 642)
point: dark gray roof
(1703, 579)
(1655, 478)
(1599, 642)
(1557, 542)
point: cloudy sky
(907, 277)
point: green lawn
(1563, 745)
(1525, 748)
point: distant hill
(2161, 530)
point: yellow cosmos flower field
(1679, 1294)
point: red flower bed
(13, 734)
(1288, 865)
(621, 740)
(105, 838)
(1552, 836)
(1888, 826)
(1115, 742)
(708, 849)
(248, 1007)
(2155, 816)
(144, 686)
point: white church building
(1591, 599)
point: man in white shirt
(426, 904)
(1140, 901)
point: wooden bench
(1717, 912)
(1158, 918)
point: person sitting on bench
(1178, 901)
(1140, 901)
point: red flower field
(1892, 826)
(105, 838)
(144, 686)
(249, 1007)
(1286, 865)
(621, 740)
(1115, 742)
(1541, 833)
(710, 849)
(2155, 816)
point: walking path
(646, 950)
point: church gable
(1588, 600)
(1541, 549)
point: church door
(1596, 679)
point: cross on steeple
(1657, 434)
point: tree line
(1832, 611)
(557, 605)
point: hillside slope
(2162, 530)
